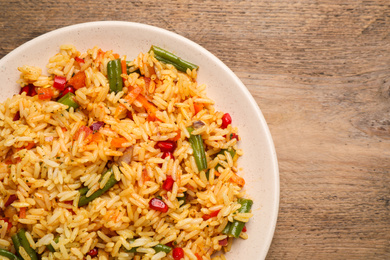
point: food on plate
(105, 157)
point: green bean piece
(114, 71)
(184, 199)
(133, 249)
(168, 57)
(26, 245)
(198, 149)
(237, 226)
(69, 100)
(8, 254)
(225, 231)
(163, 248)
(16, 241)
(84, 200)
(83, 191)
(50, 247)
(232, 153)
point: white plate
(259, 162)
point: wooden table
(320, 72)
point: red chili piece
(33, 92)
(178, 253)
(211, 215)
(93, 252)
(29, 90)
(10, 200)
(79, 60)
(166, 146)
(25, 89)
(66, 90)
(167, 154)
(59, 82)
(9, 223)
(234, 136)
(226, 120)
(158, 205)
(223, 242)
(168, 183)
(244, 229)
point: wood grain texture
(320, 72)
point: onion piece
(96, 126)
(127, 156)
(198, 124)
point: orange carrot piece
(117, 142)
(145, 176)
(45, 93)
(124, 69)
(151, 109)
(130, 97)
(29, 146)
(237, 179)
(116, 55)
(22, 213)
(78, 80)
(198, 107)
(198, 257)
(177, 137)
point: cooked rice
(47, 176)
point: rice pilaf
(117, 176)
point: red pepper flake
(158, 205)
(244, 229)
(79, 60)
(178, 253)
(168, 183)
(211, 215)
(226, 120)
